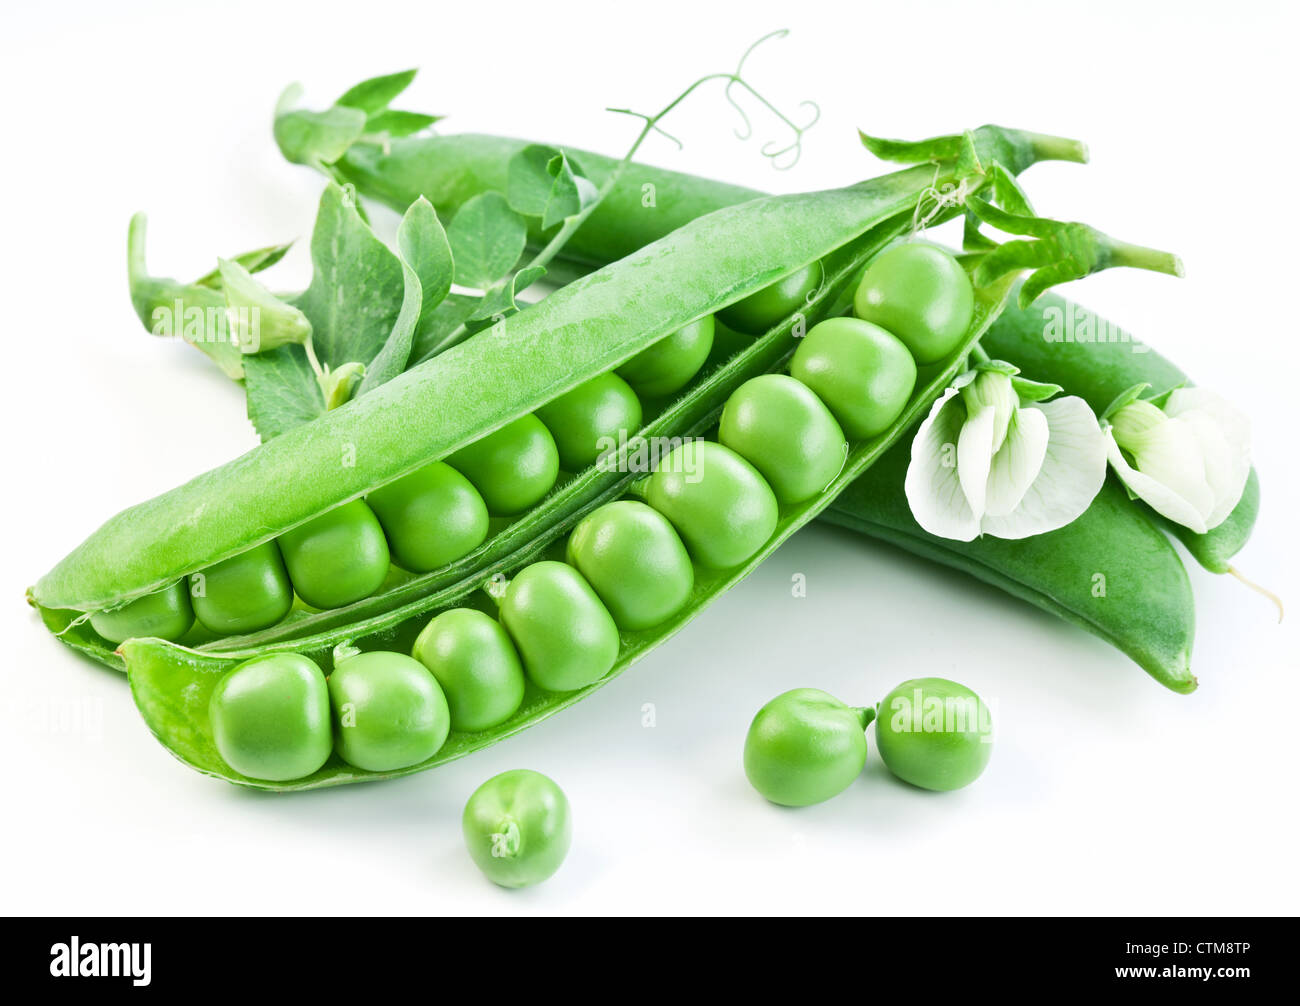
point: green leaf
(257, 320)
(487, 237)
(282, 391)
(357, 289)
(423, 245)
(254, 261)
(392, 358)
(393, 123)
(529, 180)
(374, 95)
(1126, 397)
(499, 302)
(570, 193)
(318, 138)
(438, 326)
(337, 386)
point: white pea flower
(994, 457)
(1186, 455)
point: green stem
(1124, 254)
(865, 715)
(979, 355)
(1058, 148)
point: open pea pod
(172, 685)
(509, 370)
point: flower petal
(975, 456)
(1157, 495)
(1224, 437)
(1170, 453)
(933, 489)
(1073, 471)
(1017, 462)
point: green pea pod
(1111, 571)
(1061, 343)
(449, 170)
(587, 328)
(172, 685)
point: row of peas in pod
(629, 566)
(440, 513)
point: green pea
(476, 665)
(271, 717)
(635, 562)
(760, 311)
(566, 637)
(244, 593)
(921, 294)
(805, 746)
(718, 502)
(513, 468)
(934, 733)
(670, 363)
(389, 711)
(864, 374)
(336, 558)
(784, 430)
(164, 614)
(591, 420)
(517, 828)
(431, 517)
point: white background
(1106, 794)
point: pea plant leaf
(423, 246)
(282, 391)
(360, 115)
(487, 237)
(542, 182)
(437, 327)
(500, 301)
(253, 261)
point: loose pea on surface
(921, 294)
(244, 593)
(517, 828)
(565, 635)
(721, 506)
(785, 431)
(805, 746)
(513, 467)
(431, 517)
(336, 558)
(862, 373)
(635, 562)
(934, 733)
(271, 717)
(476, 664)
(671, 362)
(591, 419)
(760, 311)
(389, 711)
(165, 614)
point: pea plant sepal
(171, 683)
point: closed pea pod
(271, 717)
(164, 614)
(670, 363)
(476, 664)
(592, 419)
(564, 634)
(635, 562)
(717, 501)
(337, 558)
(921, 294)
(389, 711)
(787, 433)
(864, 374)
(431, 517)
(513, 467)
(760, 311)
(517, 828)
(244, 593)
